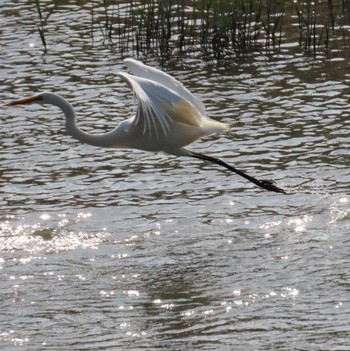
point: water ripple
(118, 249)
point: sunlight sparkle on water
(271, 224)
(45, 216)
(48, 234)
(120, 256)
(188, 313)
(289, 292)
(167, 306)
(208, 312)
(299, 223)
(270, 294)
(84, 215)
(106, 293)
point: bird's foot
(269, 184)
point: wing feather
(158, 107)
(156, 75)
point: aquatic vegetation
(43, 21)
(212, 28)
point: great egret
(168, 117)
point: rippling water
(120, 249)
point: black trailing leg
(265, 184)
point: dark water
(125, 250)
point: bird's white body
(168, 117)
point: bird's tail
(210, 126)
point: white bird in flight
(168, 117)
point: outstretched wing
(156, 75)
(158, 107)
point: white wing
(141, 70)
(159, 107)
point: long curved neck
(71, 126)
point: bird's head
(36, 99)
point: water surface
(121, 249)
